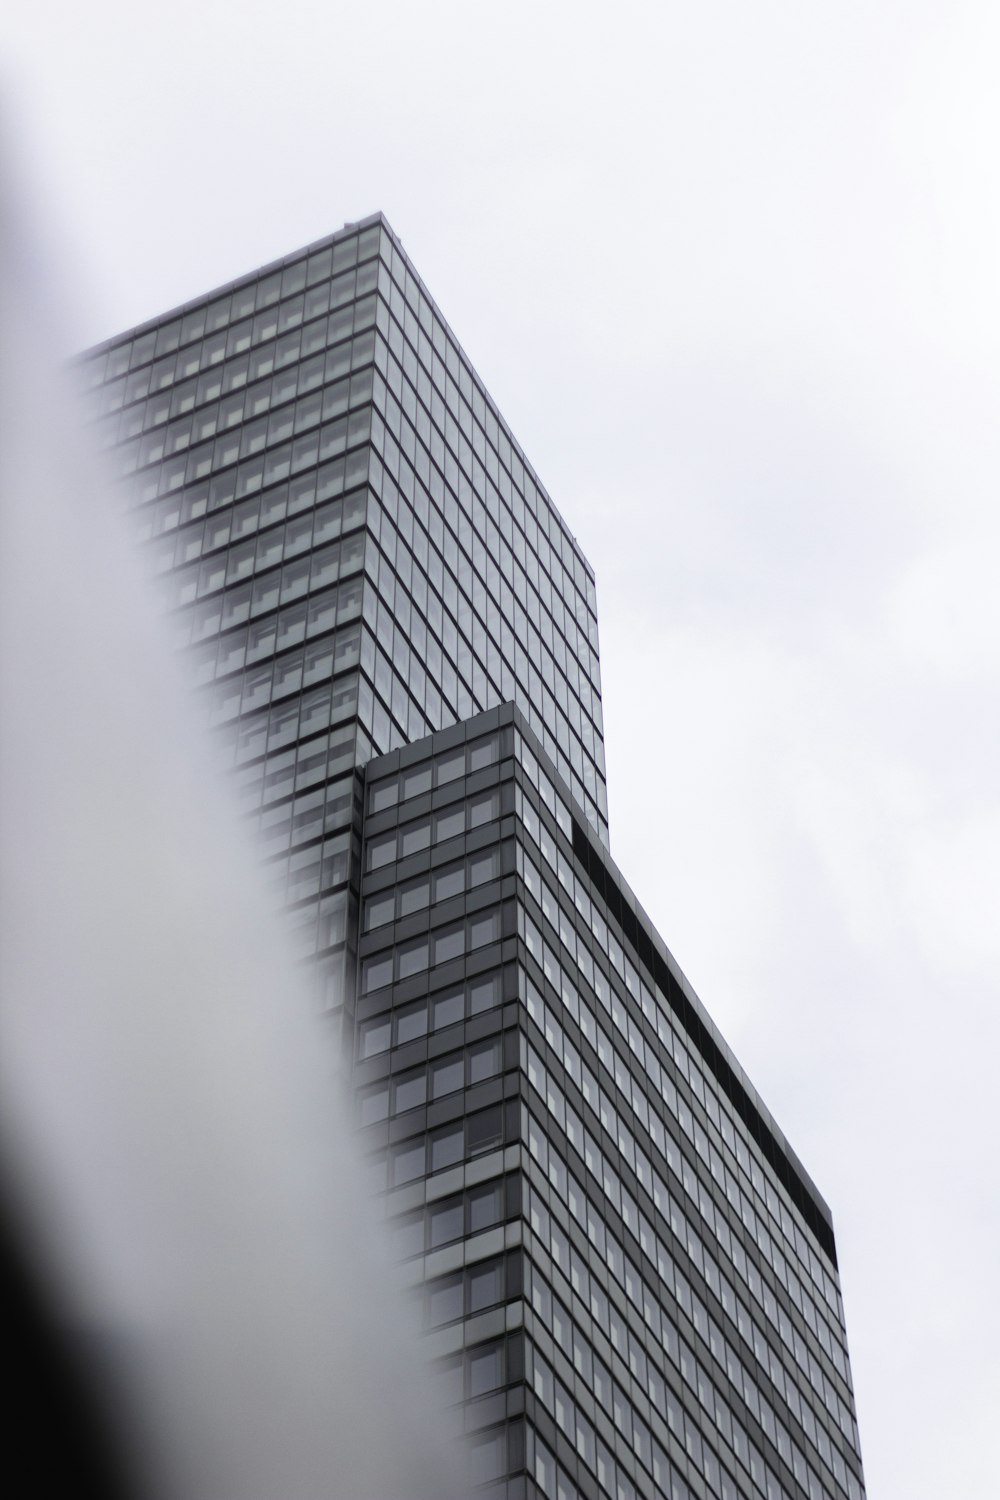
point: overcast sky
(730, 272)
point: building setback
(628, 1278)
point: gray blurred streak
(175, 1147)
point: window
(448, 825)
(381, 851)
(484, 810)
(414, 896)
(447, 1075)
(412, 958)
(417, 781)
(444, 1300)
(484, 1130)
(448, 1009)
(446, 1222)
(484, 994)
(414, 837)
(378, 909)
(485, 1287)
(485, 1207)
(485, 1369)
(447, 1148)
(411, 1023)
(483, 1061)
(407, 1162)
(376, 972)
(449, 882)
(484, 866)
(449, 943)
(373, 1104)
(484, 928)
(409, 1091)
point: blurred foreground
(200, 1298)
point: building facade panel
(628, 1281)
(682, 1324)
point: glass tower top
(309, 449)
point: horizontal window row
(259, 512)
(308, 872)
(408, 1023)
(322, 809)
(271, 632)
(239, 741)
(316, 928)
(235, 345)
(464, 1293)
(242, 694)
(246, 389)
(463, 1377)
(421, 833)
(463, 760)
(271, 467)
(217, 313)
(447, 1220)
(279, 586)
(250, 651)
(437, 947)
(413, 1159)
(431, 888)
(434, 1080)
(249, 415)
(297, 769)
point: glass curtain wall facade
(628, 1279)
(352, 548)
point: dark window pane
(485, 1369)
(448, 944)
(447, 1075)
(411, 1023)
(449, 882)
(410, 1090)
(485, 1129)
(485, 1286)
(447, 1148)
(446, 1222)
(444, 1300)
(485, 1207)
(448, 1009)
(414, 896)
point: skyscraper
(629, 1281)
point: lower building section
(628, 1282)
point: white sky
(730, 272)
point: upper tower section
(331, 373)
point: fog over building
(628, 1278)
